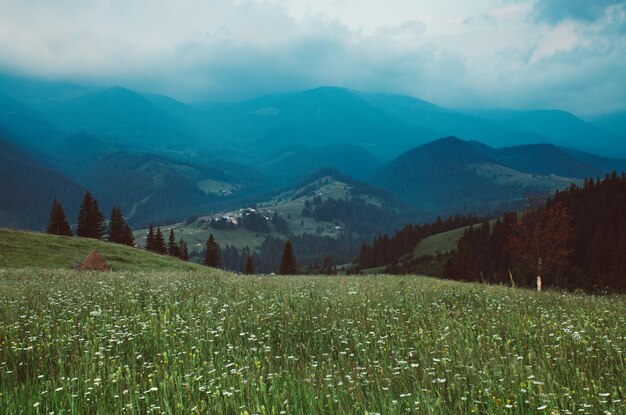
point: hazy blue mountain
(24, 126)
(293, 163)
(542, 159)
(615, 123)
(558, 127)
(450, 175)
(444, 121)
(33, 91)
(603, 164)
(119, 115)
(151, 188)
(317, 117)
(74, 153)
(28, 188)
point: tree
(91, 223)
(249, 265)
(540, 238)
(172, 247)
(288, 264)
(329, 266)
(119, 231)
(182, 249)
(212, 253)
(57, 223)
(159, 242)
(127, 236)
(150, 239)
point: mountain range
(162, 160)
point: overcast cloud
(568, 54)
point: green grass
(175, 342)
(31, 249)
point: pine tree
(288, 264)
(117, 226)
(212, 253)
(172, 246)
(249, 265)
(182, 249)
(159, 242)
(57, 224)
(91, 223)
(127, 236)
(150, 239)
(329, 266)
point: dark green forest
(594, 253)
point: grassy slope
(197, 233)
(101, 343)
(29, 249)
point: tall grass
(221, 344)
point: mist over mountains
(162, 160)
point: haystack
(94, 261)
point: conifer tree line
(385, 249)
(155, 242)
(92, 224)
(576, 240)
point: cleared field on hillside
(185, 343)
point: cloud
(490, 53)
(555, 11)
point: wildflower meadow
(218, 343)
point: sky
(567, 54)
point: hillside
(304, 344)
(151, 188)
(450, 176)
(39, 250)
(28, 188)
(325, 210)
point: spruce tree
(159, 242)
(127, 236)
(182, 249)
(116, 226)
(288, 264)
(57, 224)
(249, 265)
(212, 253)
(150, 239)
(91, 223)
(172, 246)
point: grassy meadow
(216, 343)
(19, 249)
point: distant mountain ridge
(451, 175)
(135, 149)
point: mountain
(542, 159)
(24, 126)
(450, 176)
(119, 115)
(614, 122)
(445, 122)
(318, 117)
(152, 188)
(292, 164)
(557, 127)
(604, 165)
(28, 188)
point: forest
(576, 240)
